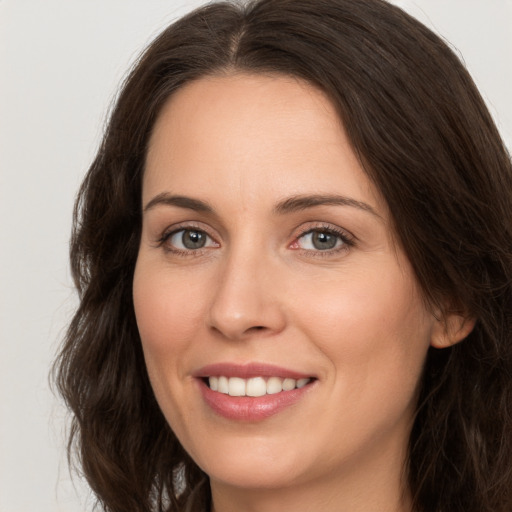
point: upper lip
(249, 370)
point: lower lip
(245, 408)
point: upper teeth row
(256, 386)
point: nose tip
(245, 304)
(246, 319)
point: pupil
(324, 241)
(193, 239)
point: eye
(322, 239)
(189, 240)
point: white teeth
(223, 386)
(289, 384)
(214, 383)
(255, 386)
(274, 385)
(301, 383)
(236, 386)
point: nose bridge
(246, 299)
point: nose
(247, 299)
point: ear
(450, 329)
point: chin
(249, 476)
(252, 465)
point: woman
(294, 259)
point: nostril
(256, 328)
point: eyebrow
(298, 203)
(289, 205)
(181, 201)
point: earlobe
(451, 329)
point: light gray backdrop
(60, 63)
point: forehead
(252, 133)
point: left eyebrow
(188, 203)
(297, 203)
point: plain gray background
(60, 64)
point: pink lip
(246, 371)
(250, 409)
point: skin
(259, 290)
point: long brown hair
(424, 137)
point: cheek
(168, 312)
(375, 333)
(168, 315)
(372, 325)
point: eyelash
(347, 240)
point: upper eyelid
(325, 226)
(169, 233)
(186, 226)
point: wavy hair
(424, 137)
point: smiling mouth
(254, 386)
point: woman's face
(267, 260)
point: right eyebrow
(181, 201)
